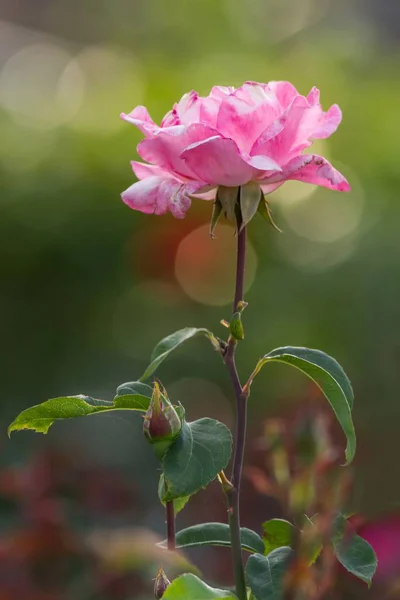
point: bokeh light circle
(275, 20)
(325, 216)
(114, 83)
(205, 268)
(314, 257)
(41, 86)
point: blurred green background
(88, 286)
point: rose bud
(236, 326)
(160, 584)
(161, 422)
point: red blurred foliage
(42, 557)
(161, 245)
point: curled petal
(188, 108)
(268, 188)
(219, 162)
(209, 110)
(143, 170)
(156, 195)
(300, 123)
(261, 163)
(284, 91)
(140, 117)
(292, 132)
(206, 192)
(246, 113)
(313, 96)
(164, 149)
(220, 91)
(311, 168)
(186, 111)
(171, 119)
(328, 123)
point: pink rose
(255, 133)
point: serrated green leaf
(329, 376)
(130, 402)
(134, 387)
(216, 534)
(265, 573)
(41, 417)
(171, 343)
(190, 587)
(201, 451)
(179, 503)
(277, 533)
(353, 552)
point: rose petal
(328, 123)
(142, 196)
(284, 91)
(209, 110)
(205, 195)
(314, 169)
(246, 113)
(271, 187)
(220, 91)
(261, 163)
(313, 96)
(143, 170)
(218, 162)
(140, 117)
(300, 123)
(158, 195)
(171, 119)
(188, 108)
(166, 147)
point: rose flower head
(251, 137)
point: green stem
(170, 518)
(233, 495)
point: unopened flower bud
(160, 584)
(236, 326)
(161, 422)
(241, 305)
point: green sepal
(228, 198)
(250, 195)
(265, 211)
(216, 213)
